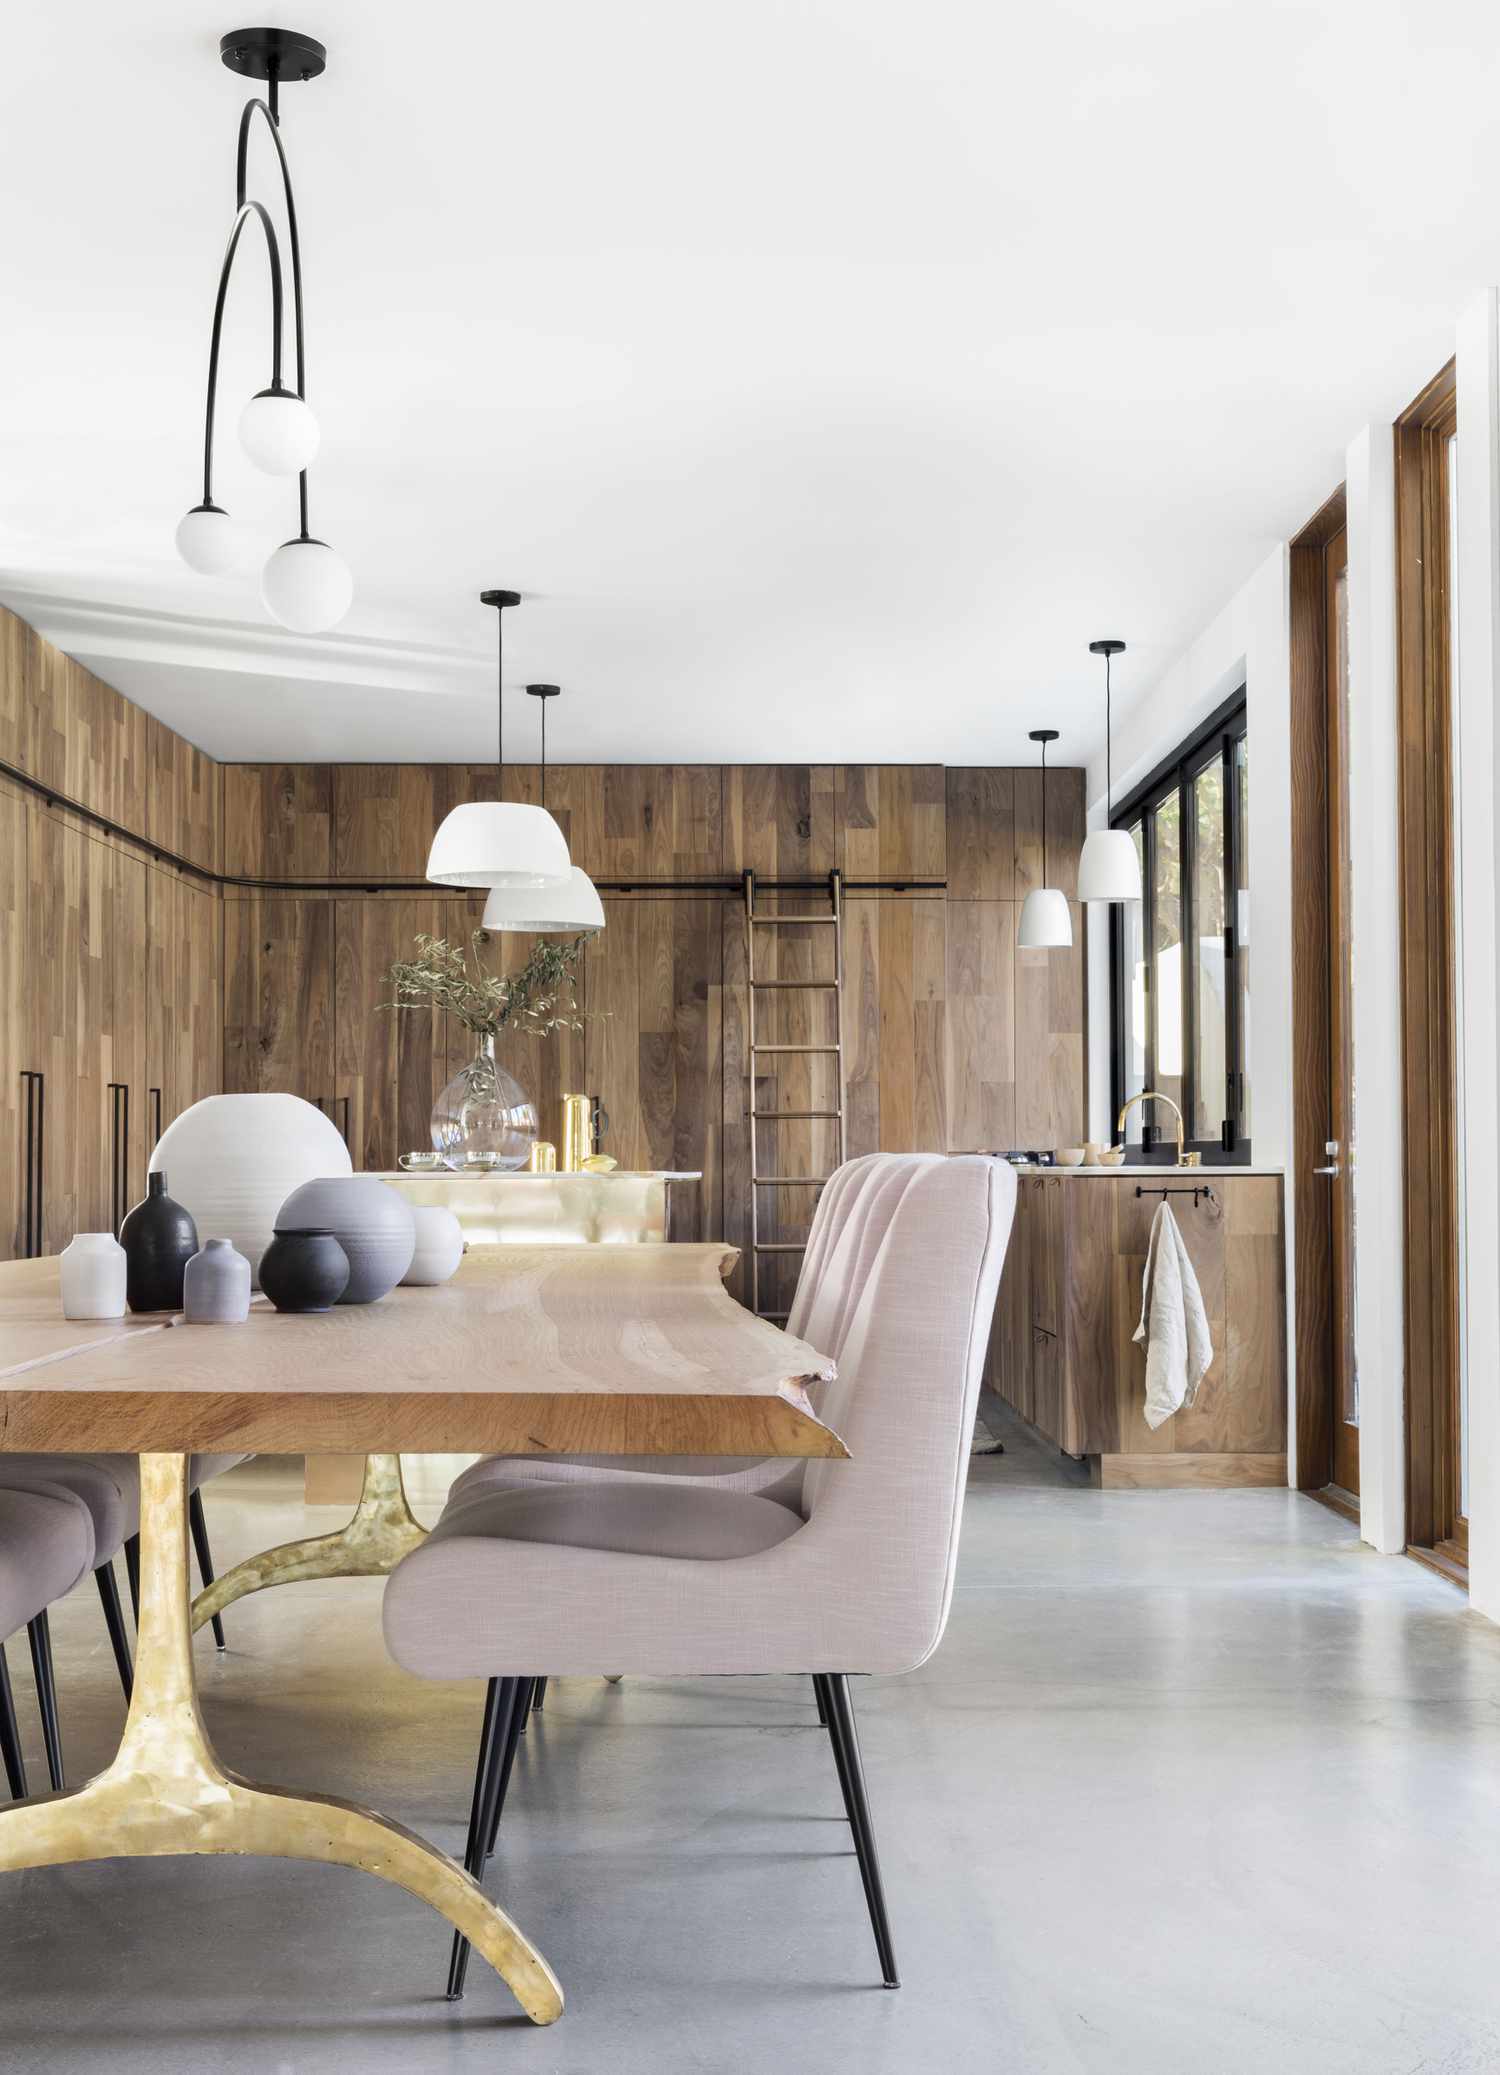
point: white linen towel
(1174, 1325)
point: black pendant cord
(542, 693)
(1044, 814)
(544, 755)
(1109, 776)
(501, 600)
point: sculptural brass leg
(167, 1793)
(382, 1531)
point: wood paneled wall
(129, 969)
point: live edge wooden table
(632, 1350)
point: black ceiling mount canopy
(502, 602)
(279, 54)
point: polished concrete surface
(1195, 1784)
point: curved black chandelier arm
(294, 243)
(246, 211)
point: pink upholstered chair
(827, 1567)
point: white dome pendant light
(499, 842)
(1046, 920)
(305, 585)
(572, 909)
(1109, 869)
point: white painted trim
(1477, 862)
(1377, 1154)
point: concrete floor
(1195, 1784)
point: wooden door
(391, 1065)
(1344, 1378)
(16, 1097)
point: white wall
(1477, 786)
(1247, 644)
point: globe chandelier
(305, 585)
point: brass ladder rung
(797, 1048)
(793, 1116)
(774, 1318)
(802, 986)
(794, 921)
(789, 1181)
(780, 1246)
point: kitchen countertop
(1143, 1172)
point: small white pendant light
(1046, 922)
(570, 909)
(499, 842)
(1109, 869)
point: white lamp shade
(1046, 922)
(209, 541)
(1109, 869)
(499, 843)
(278, 432)
(572, 909)
(306, 586)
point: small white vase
(440, 1244)
(92, 1272)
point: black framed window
(1181, 974)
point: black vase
(159, 1238)
(304, 1270)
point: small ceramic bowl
(1068, 1156)
(1112, 1156)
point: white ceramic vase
(234, 1160)
(440, 1244)
(370, 1221)
(91, 1270)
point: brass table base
(382, 1531)
(166, 1792)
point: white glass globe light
(499, 843)
(1046, 921)
(306, 586)
(571, 909)
(209, 541)
(278, 432)
(1109, 869)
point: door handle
(1327, 1170)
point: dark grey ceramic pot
(304, 1270)
(371, 1223)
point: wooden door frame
(1424, 714)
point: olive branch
(453, 980)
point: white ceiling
(825, 373)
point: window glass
(1208, 910)
(1166, 928)
(1134, 944)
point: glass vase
(484, 1118)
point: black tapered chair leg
(39, 1635)
(507, 1761)
(538, 1694)
(818, 1697)
(10, 1736)
(114, 1621)
(133, 1577)
(502, 1713)
(842, 1734)
(199, 1526)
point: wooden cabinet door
(1045, 1253)
(278, 998)
(184, 997)
(86, 1025)
(1047, 1384)
(14, 1020)
(1008, 1362)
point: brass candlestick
(577, 1132)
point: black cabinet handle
(33, 1168)
(119, 1154)
(155, 1098)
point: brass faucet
(1184, 1159)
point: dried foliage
(541, 996)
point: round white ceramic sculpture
(370, 1221)
(233, 1160)
(440, 1244)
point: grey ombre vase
(216, 1286)
(371, 1222)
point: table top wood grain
(628, 1350)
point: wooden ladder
(757, 1049)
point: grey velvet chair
(828, 1568)
(109, 1487)
(46, 1547)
